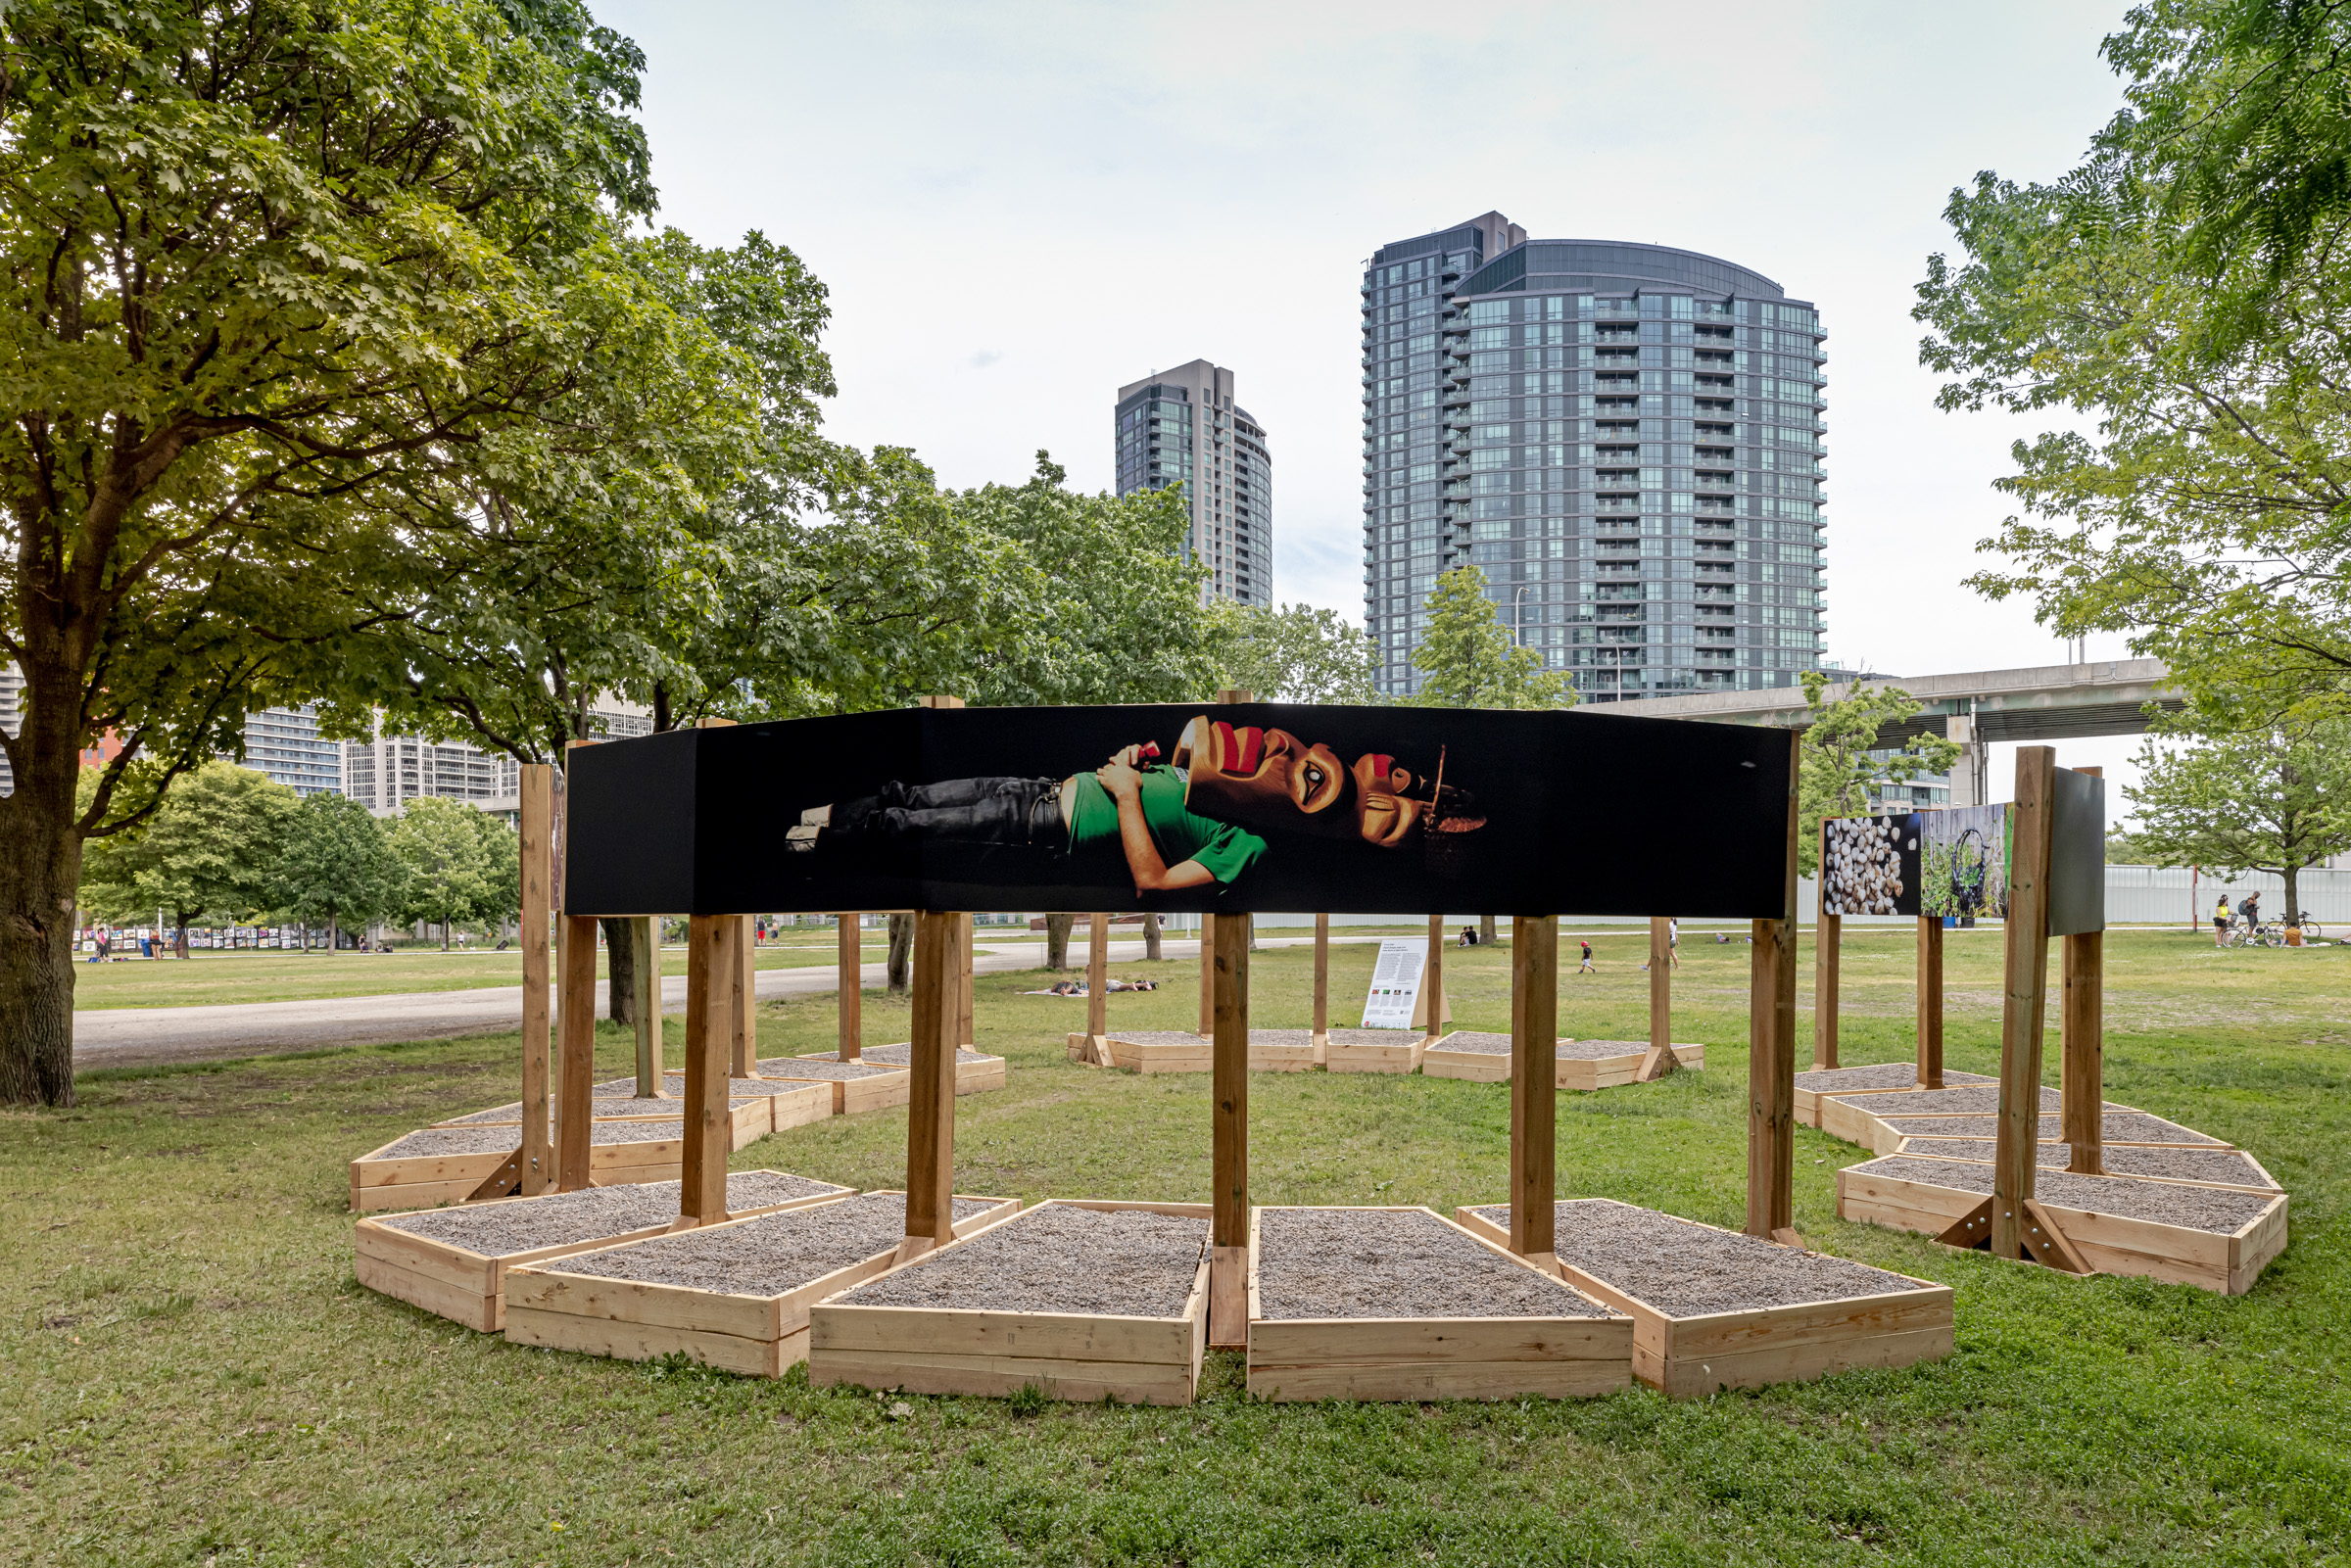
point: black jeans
(972, 811)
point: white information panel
(1395, 983)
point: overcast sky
(1019, 207)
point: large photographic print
(1869, 865)
(1963, 862)
(1252, 806)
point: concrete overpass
(2047, 702)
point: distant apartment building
(284, 744)
(386, 772)
(1624, 438)
(1182, 427)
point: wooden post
(1534, 1076)
(963, 990)
(1228, 1062)
(1097, 984)
(1432, 989)
(536, 852)
(1322, 990)
(576, 1027)
(1771, 1056)
(1827, 935)
(1930, 1001)
(1659, 1059)
(2023, 995)
(710, 1033)
(1208, 974)
(743, 1030)
(2081, 1073)
(645, 951)
(850, 986)
(931, 1108)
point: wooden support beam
(2023, 996)
(849, 984)
(743, 1036)
(645, 953)
(963, 990)
(1930, 1001)
(1771, 1055)
(1097, 984)
(1208, 974)
(709, 1035)
(2082, 1071)
(1534, 1098)
(1432, 989)
(576, 1026)
(1322, 990)
(537, 865)
(931, 1107)
(1828, 936)
(1659, 1059)
(1228, 1088)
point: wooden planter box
(380, 1180)
(1688, 1357)
(975, 1072)
(1857, 1117)
(631, 1109)
(1080, 1356)
(1815, 1084)
(2112, 1243)
(1395, 1358)
(468, 1287)
(1587, 1074)
(1285, 1050)
(636, 1320)
(1158, 1051)
(848, 1096)
(1374, 1049)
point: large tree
(337, 866)
(2182, 304)
(2275, 801)
(1294, 653)
(1842, 761)
(1466, 661)
(450, 873)
(286, 278)
(212, 850)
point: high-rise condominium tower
(1626, 438)
(1182, 427)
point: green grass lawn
(196, 1378)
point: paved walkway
(142, 1036)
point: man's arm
(1151, 874)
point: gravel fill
(2181, 1165)
(504, 1140)
(1931, 1102)
(1058, 1258)
(2114, 1126)
(603, 1106)
(1281, 1036)
(1885, 1076)
(2207, 1208)
(1687, 1270)
(902, 1055)
(764, 1256)
(560, 1218)
(1360, 1038)
(1158, 1037)
(1569, 1050)
(820, 1067)
(1394, 1263)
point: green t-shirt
(1224, 850)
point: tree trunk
(179, 940)
(620, 958)
(1486, 930)
(334, 936)
(2293, 893)
(1151, 938)
(40, 870)
(445, 934)
(901, 953)
(1057, 941)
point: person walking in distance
(1586, 968)
(2220, 922)
(1673, 942)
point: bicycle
(2311, 930)
(2256, 934)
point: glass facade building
(284, 744)
(1626, 438)
(1183, 428)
